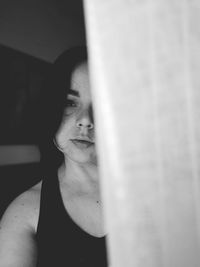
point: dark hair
(52, 104)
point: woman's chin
(84, 158)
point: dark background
(21, 81)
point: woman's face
(75, 136)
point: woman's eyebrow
(73, 92)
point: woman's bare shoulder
(25, 208)
(17, 229)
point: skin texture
(78, 179)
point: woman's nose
(85, 119)
(85, 124)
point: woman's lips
(81, 143)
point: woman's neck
(79, 178)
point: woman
(59, 221)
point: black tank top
(61, 242)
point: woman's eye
(71, 106)
(71, 103)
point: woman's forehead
(80, 71)
(80, 78)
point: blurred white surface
(145, 64)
